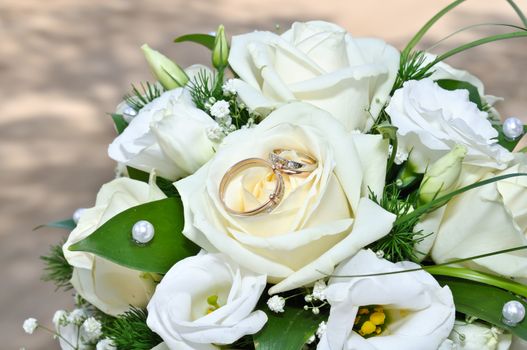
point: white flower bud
(59, 318)
(220, 53)
(168, 73)
(443, 175)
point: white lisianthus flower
(432, 120)
(204, 300)
(324, 217)
(316, 62)
(112, 288)
(441, 70)
(159, 136)
(419, 313)
(477, 336)
(499, 223)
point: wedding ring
(274, 198)
(306, 164)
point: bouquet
(311, 190)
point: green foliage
(57, 269)
(164, 185)
(399, 244)
(130, 331)
(202, 39)
(203, 89)
(67, 224)
(119, 123)
(411, 67)
(140, 97)
(113, 240)
(288, 330)
(483, 301)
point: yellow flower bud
(168, 73)
(443, 175)
(220, 53)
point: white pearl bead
(77, 214)
(513, 313)
(129, 113)
(512, 128)
(143, 232)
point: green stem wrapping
(415, 40)
(500, 282)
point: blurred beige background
(65, 64)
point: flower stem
(56, 334)
(481, 277)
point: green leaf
(119, 123)
(113, 240)
(504, 141)
(473, 93)
(67, 224)
(438, 202)
(486, 40)
(518, 11)
(421, 33)
(165, 185)
(483, 301)
(288, 330)
(202, 39)
(481, 277)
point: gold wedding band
(274, 198)
(306, 164)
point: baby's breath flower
(220, 109)
(105, 344)
(77, 316)
(276, 304)
(93, 328)
(319, 290)
(60, 318)
(228, 87)
(321, 329)
(30, 325)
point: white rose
(419, 313)
(432, 120)
(204, 300)
(499, 223)
(324, 216)
(112, 288)
(478, 336)
(159, 137)
(316, 62)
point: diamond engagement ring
(306, 164)
(274, 198)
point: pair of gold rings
(279, 165)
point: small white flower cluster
(220, 110)
(319, 333)
(228, 88)
(76, 328)
(30, 325)
(400, 156)
(317, 298)
(276, 304)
